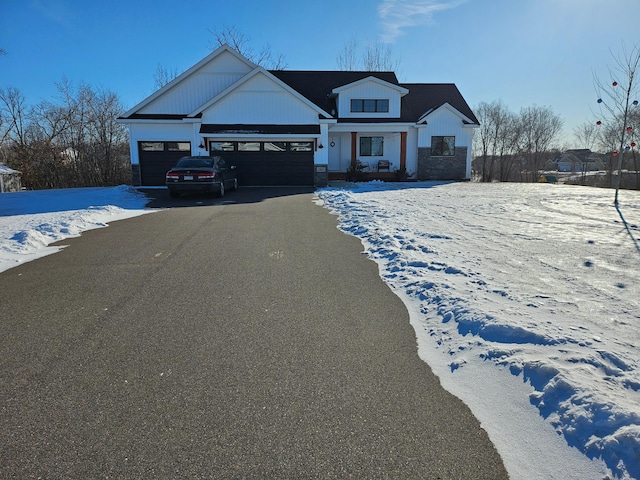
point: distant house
(579, 160)
(283, 127)
(10, 179)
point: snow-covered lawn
(524, 298)
(31, 220)
(526, 304)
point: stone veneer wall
(321, 175)
(442, 168)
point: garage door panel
(155, 163)
(152, 171)
(272, 168)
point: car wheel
(173, 194)
(221, 191)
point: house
(283, 127)
(579, 160)
(10, 179)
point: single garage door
(267, 163)
(157, 158)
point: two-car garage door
(268, 162)
(258, 162)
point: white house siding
(260, 101)
(200, 87)
(164, 132)
(391, 149)
(446, 122)
(371, 90)
(321, 156)
(412, 151)
(443, 122)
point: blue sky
(524, 52)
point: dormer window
(369, 105)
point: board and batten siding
(260, 101)
(412, 151)
(445, 123)
(368, 90)
(200, 87)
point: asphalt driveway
(243, 337)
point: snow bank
(31, 220)
(540, 281)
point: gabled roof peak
(214, 54)
(372, 78)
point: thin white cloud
(398, 15)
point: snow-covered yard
(526, 304)
(31, 220)
(524, 299)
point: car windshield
(195, 163)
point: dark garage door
(157, 158)
(268, 163)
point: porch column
(403, 151)
(354, 138)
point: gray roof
(317, 85)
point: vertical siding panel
(369, 90)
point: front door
(334, 154)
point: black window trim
(165, 145)
(379, 104)
(289, 146)
(371, 137)
(439, 152)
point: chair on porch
(384, 165)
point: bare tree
(375, 57)
(378, 57)
(93, 141)
(164, 76)
(73, 141)
(241, 43)
(13, 108)
(506, 146)
(619, 105)
(347, 59)
(539, 126)
(3, 51)
(13, 123)
(586, 135)
(497, 142)
(493, 118)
